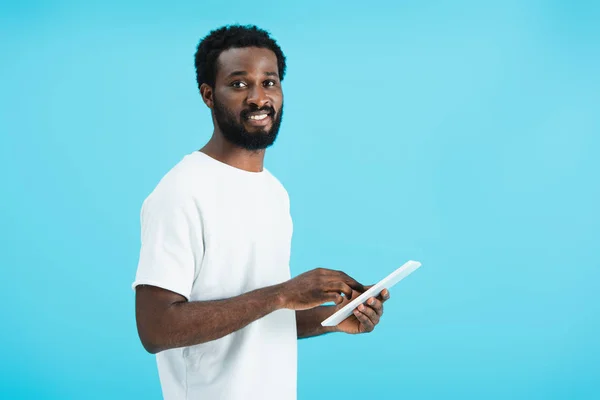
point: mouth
(259, 118)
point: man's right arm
(166, 320)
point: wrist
(279, 297)
(330, 329)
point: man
(214, 298)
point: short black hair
(227, 37)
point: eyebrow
(244, 73)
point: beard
(235, 133)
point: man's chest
(246, 245)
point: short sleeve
(171, 242)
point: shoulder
(178, 187)
(276, 186)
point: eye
(238, 84)
(270, 83)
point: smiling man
(214, 296)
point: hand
(364, 317)
(316, 287)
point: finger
(384, 295)
(340, 287)
(365, 322)
(333, 296)
(376, 305)
(370, 313)
(337, 286)
(348, 280)
(354, 284)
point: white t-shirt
(211, 231)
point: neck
(225, 152)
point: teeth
(258, 117)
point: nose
(257, 96)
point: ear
(207, 95)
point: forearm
(190, 323)
(308, 322)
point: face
(247, 100)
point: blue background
(463, 135)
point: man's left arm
(363, 319)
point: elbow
(155, 321)
(150, 334)
(150, 346)
(152, 349)
(151, 342)
(151, 338)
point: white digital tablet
(385, 283)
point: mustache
(270, 110)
